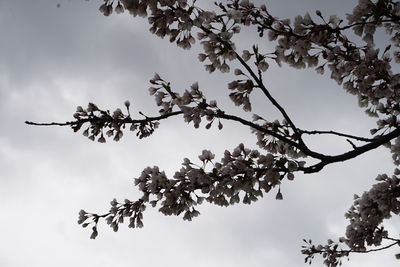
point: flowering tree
(244, 175)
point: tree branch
(376, 249)
(353, 153)
(106, 119)
(262, 87)
(270, 97)
(358, 138)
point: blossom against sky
(54, 59)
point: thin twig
(68, 123)
(373, 249)
(358, 138)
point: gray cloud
(53, 59)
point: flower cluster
(218, 48)
(273, 144)
(163, 95)
(369, 211)
(241, 175)
(102, 123)
(366, 216)
(241, 92)
(368, 15)
(172, 18)
(192, 103)
(86, 219)
(331, 252)
(132, 210)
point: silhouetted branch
(358, 138)
(127, 120)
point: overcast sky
(54, 59)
